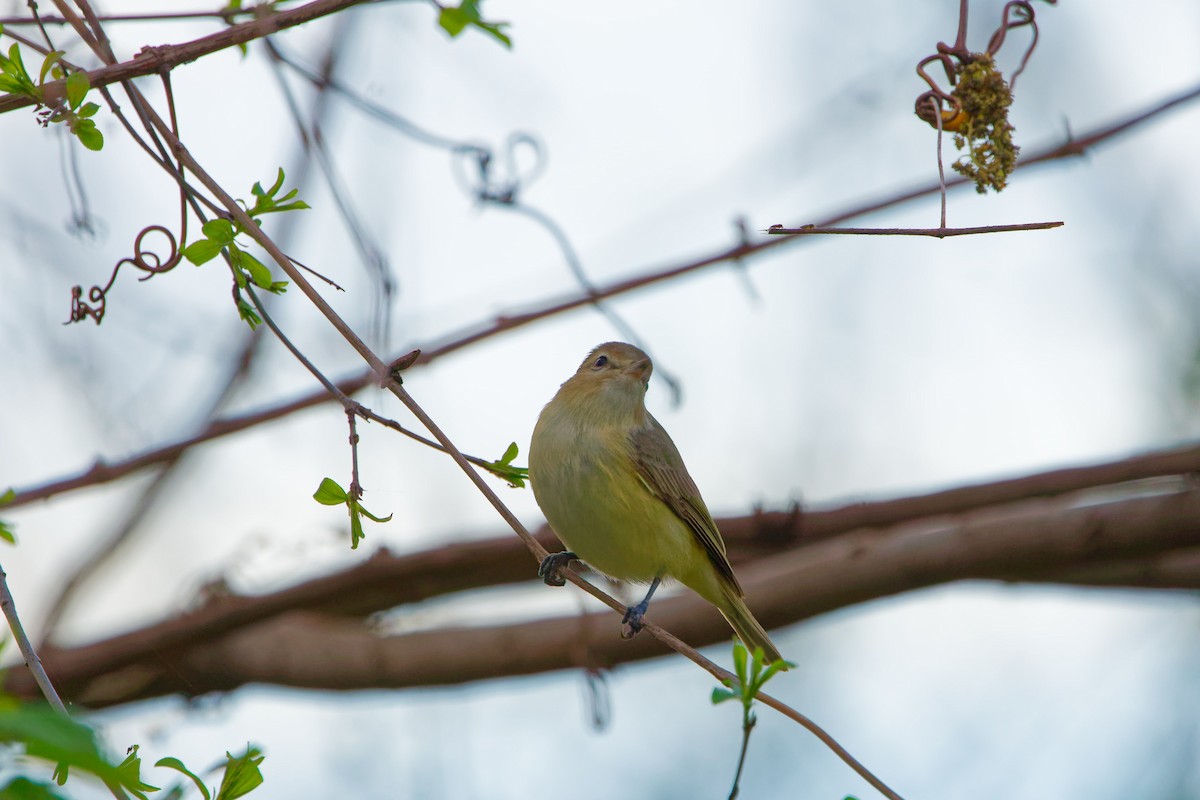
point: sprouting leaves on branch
(752, 675)
(64, 105)
(455, 19)
(330, 493)
(221, 235)
(36, 731)
(504, 468)
(241, 774)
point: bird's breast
(587, 485)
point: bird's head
(611, 382)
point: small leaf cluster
(44, 734)
(55, 107)
(221, 235)
(241, 775)
(752, 674)
(986, 132)
(330, 493)
(504, 468)
(454, 20)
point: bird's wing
(662, 470)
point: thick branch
(386, 581)
(1032, 541)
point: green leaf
(52, 58)
(220, 230)
(777, 665)
(85, 131)
(170, 762)
(248, 313)
(299, 205)
(14, 55)
(496, 31)
(258, 271)
(242, 774)
(721, 695)
(356, 529)
(8, 496)
(277, 185)
(756, 666)
(11, 85)
(89, 109)
(22, 788)
(266, 202)
(329, 493)
(455, 20)
(739, 661)
(202, 251)
(78, 85)
(278, 287)
(504, 468)
(6, 532)
(131, 769)
(50, 736)
(372, 517)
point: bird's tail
(740, 618)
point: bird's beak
(641, 369)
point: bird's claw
(633, 619)
(552, 565)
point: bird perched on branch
(615, 489)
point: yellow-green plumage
(615, 489)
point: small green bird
(614, 488)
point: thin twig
(356, 491)
(937, 233)
(828, 741)
(937, 114)
(747, 727)
(27, 650)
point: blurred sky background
(856, 368)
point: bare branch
(937, 233)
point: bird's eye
(601, 362)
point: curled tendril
(976, 107)
(485, 184)
(1016, 14)
(143, 259)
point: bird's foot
(633, 619)
(552, 565)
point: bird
(615, 490)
